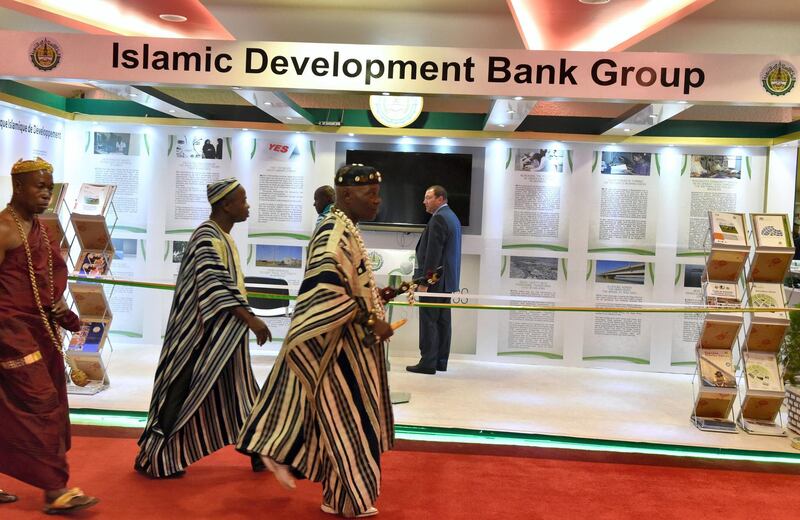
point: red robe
(34, 414)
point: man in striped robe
(325, 412)
(204, 385)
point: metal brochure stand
(714, 381)
(762, 391)
(395, 397)
(91, 348)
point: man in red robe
(34, 414)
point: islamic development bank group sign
(647, 77)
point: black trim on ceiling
(565, 125)
(743, 129)
(248, 113)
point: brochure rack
(762, 391)
(714, 382)
(90, 348)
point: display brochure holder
(714, 381)
(91, 347)
(793, 406)
(774, 247)
(762, 391)
(395, 397)
(51, 219)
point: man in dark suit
(439, 245)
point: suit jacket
(440, 245)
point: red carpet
(421, 485)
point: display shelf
(90, 348)
(714, 382)
(730, 249)
(774, 248)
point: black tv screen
(406, 176)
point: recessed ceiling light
(173, 18)
(683, 102)
(351, 135)
(502, 126)
(496, 138)
(268, 103)
(654, 116)
(517, 98)
(94, 122)
(244, 129)
(194, 127)
(133, 94)
(171, 111)
(443, 137)
(236, 88)
(385, 94)
(594, 2)
(626, 129)
(288, 117)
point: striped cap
(31, 165)
(218, 190)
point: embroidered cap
(357, 175)
(31, 165)
(218, 190)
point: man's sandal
(71, 500)
(331, 511)
(6, 497)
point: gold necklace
(77, 375)
(377, 301)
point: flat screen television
(406, 176)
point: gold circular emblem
(45, 54)
(778, 78)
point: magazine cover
(716, 367)
(93, 264)
(723, 294)
(766, 296)
(771, 230)
(762, 372)
(90, 337)
(93, 199)
(728, 229)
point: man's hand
(260, 329)
(59, 309)
(382, 329)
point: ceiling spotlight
(236, 88)
(654, 116)
(517, 98)
(194, 127)
(133, 94)
(172, 111)
(244, 129)
(173, 18)
(267, 103)
(496, 138)
(594, 2)
(626, 129)
(683, 102)
(502, 126)
(443, 137)
(511, 111)
(385, 94)
(289, 118)
(351, 134)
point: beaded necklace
(77, 375)
(377, 301)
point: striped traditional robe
(208, 341)
(325, 410)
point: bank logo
(376, 259)
(778, 78)
(45, 54)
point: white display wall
(568, 224)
